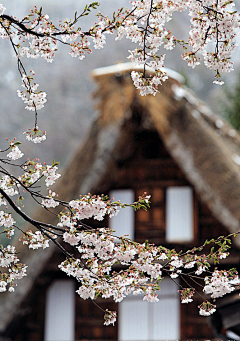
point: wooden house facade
(171, 146)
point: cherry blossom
(218, 284)
(50, 203)
(141, 267)
(15, 153)
(34, 99)
(144, 24)
(71, 238)
(207, 309)
(110, 317)
(35, 135)
(51, 175)
(35, 240)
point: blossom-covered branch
(144, 23)
(96, 252)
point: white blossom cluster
(110, 317)
(50, 202)
(8, 185)
(207, 308)
(35, 240)
(15, 153)
(218, 284)
(186, 295)
(7, 221)
(212, 35)
(101, 253)
(16, 270)
(35, 135)
(144, 270)
(50, 173)
(88, 207)
(34, 171)
(34, 99)
(44, 47)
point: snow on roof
(128, 67)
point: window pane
(179, 214)
(141, 320)
(60, 311)
(123, 223)
(166, 312)
(166, 319)
(133, 319)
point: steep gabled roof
(205, 147)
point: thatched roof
(205, 147)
